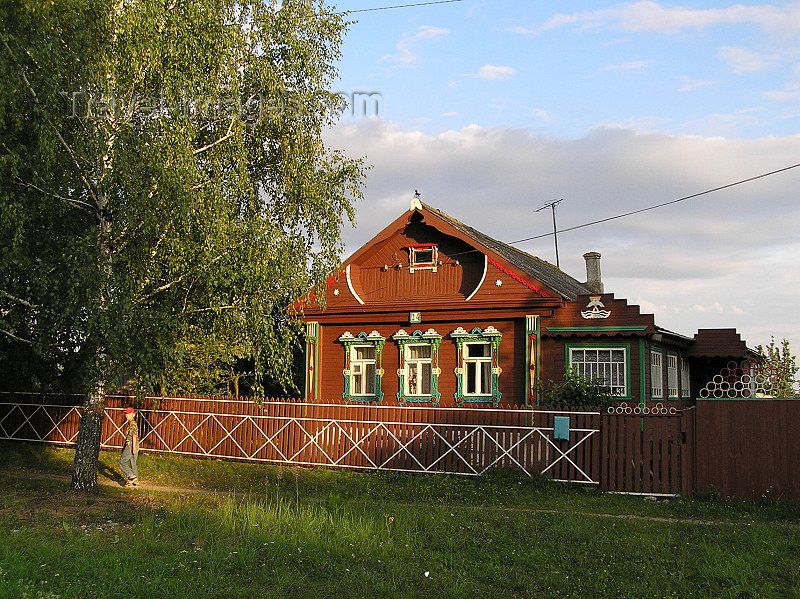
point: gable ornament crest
(595, 309)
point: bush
(578, 392)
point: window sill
(477, 399)
(362, 399)
(406, 399)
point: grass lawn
(238, 530)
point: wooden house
(434, 312)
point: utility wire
(689, 197)
(402, 6)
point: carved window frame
(404, 341)
(350, 342)
(492, 337)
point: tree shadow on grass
(110, 473)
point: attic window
(423, 256)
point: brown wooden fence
(626, 451)
(748, 448)
(737, 448)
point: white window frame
(607, 371)
(477, 370)
(412, 369)
(415, 257)
(484, 384)
(415, 370)
(656, 374)
(686, 387)
(360, 367)
(672, 376)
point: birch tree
(779, 365)
(164, 187)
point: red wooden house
(434, 312)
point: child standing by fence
(130, 449)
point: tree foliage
(164, 188)
(780, 368)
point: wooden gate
(648, 450)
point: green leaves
(164, 184)
(578, 392)
(780, 367)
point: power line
(689, 197)
(402, 6)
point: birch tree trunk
(87, 449)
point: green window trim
(597, 329)
(627, 396)
(350, 341)
(312, 361)
(492, 337)
(405, 341)
(533, 352)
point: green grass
(290, 532)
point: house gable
(470, 268)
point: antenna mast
(552, 205)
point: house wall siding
(554, 358)
(511, 358)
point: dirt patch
(113, 481)
(31, 505)
(63, 508)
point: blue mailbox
(561, 428)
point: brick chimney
(593, 279)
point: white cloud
(715, 307)
(742, 60)
(495, 73)
(542, 115)
(408, 43)
(634, 65)
(725, 122)
(690, 84)
(638, 123)
(791, 93)
(722, 259)
(648, 16)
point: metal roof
(536, 268)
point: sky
(492, 109)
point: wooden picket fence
(631, 452)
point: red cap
(129, 410)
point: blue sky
(493, 108)
(563, 68)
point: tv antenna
(552, 206)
